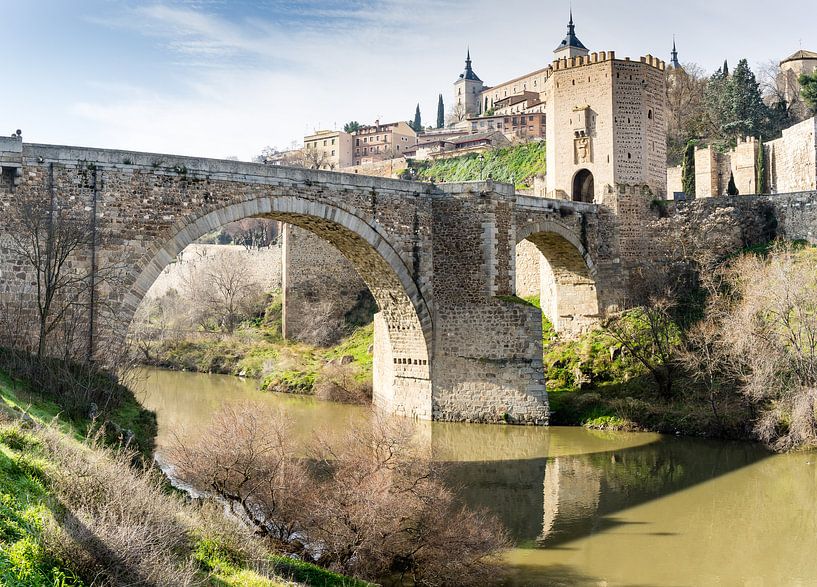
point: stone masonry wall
(792, 159)
(320, 287)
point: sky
(220, 78)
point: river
(583, 507)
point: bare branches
(371, 504)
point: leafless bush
(382, 510)
(371, 505)
(247, 459)
(118, 526)
(338, 383)
(771, 332)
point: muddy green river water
(583, 507)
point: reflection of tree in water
(548, 502)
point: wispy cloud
(219, 77)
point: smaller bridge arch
(553, 263)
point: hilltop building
(604, 118)
(328, 149)
(791, 68)
(674, 63)
(382, 141)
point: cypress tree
(760, 169)
(688, 170)
(418, 123)
(440, 112)
(732, 189)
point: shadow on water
(548, 502)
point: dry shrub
(247, 459)
(371, 505)
(339, 383)
(117, 526)
(760, 335)
(382, 510)
(772, 333)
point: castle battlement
(601, 57)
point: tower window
(649, 114)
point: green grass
(226, 567)
(517, 165)
(357, 346)
(304, 572)
(17, 397)
(24, 509)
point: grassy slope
(26, 507)
(517, 164)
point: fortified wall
(790, 165)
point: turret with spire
(469, 73)
(571, 46)
(467, 89)
(674, 59)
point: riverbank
(591, 380)
(67, 502)
(342, 372)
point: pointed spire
(725, 69)
(468, 73)
(674, 60)
(571, 42)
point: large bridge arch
(404, 324)
(553, 262)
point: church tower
(570, 46)
(466, 91)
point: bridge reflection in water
(585, 507)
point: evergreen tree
(808, 90)
(760, 170)
(440, 112)
(688, 170)
(417, 125)
(735, 106)
(732, 189)
(351, 126)
(749, 114)
(725, 69)
(716, 103)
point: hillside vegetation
(516, 165)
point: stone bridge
(451, 341)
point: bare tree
(686, 115)
(650, 336)
(223, 288)
(315, 158)
(48, 234)
(771, 332)
(457, 113)
(781, 92)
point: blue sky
(220, 78)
